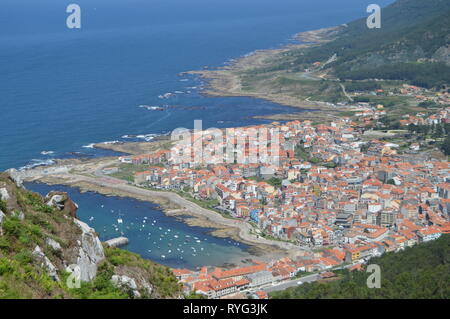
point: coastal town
(339, 194)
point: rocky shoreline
(191, 217)
(225, 81)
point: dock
(117, 242)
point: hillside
(412, 44)
(40, 238)
(333, 65)
(422, 271)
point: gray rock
(53, 243)
(4, 194)
(19, 215)
(62, 202)
(15, 176)
(2, 218)
(443, 54)
(126, 283)
(131, 284)
(90, 252)
(147, 287)
(45, 263)
(56, 201)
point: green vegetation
(422, 271)
(275, 182)
(410, 47)
(446, 146)
(100, 288)
(301, 274)
(127, 171)
(436, 132)
(428, 104)
(3, 206)
(22, 276)
(303, 154)
(412, 30)
(165, 283)
(352, 86)
(428, 75)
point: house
(429, 233)
(260, 278)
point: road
(345, 92)
(245, 229)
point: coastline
(170, 204)
(136, 148)
(226, 81)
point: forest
(419, 272)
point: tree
(446, 146)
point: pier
(117, 242)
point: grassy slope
(412, 31)
(21, 277)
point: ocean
(63, 89)
(151, 233)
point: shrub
(4, 244)
(12, 226)
(3, 206)
(24, 257)
(6, 266)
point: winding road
(246, 230)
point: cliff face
(46, 252)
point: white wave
(110, 142)
(89, 145)
(147, 137)
(165, 96)
(37, 162)
(47, 152)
